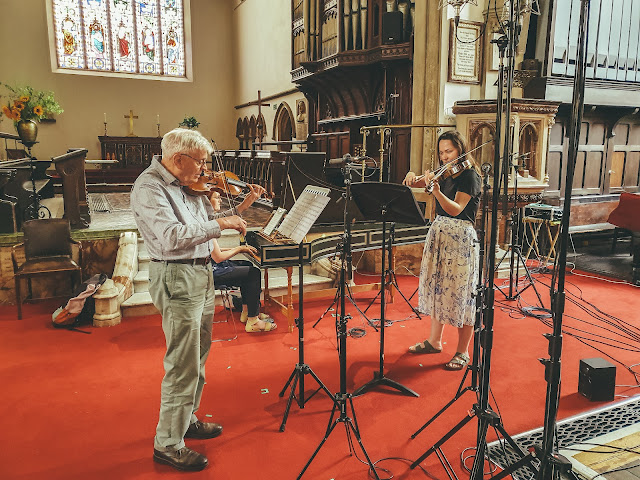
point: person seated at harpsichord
(242, 273)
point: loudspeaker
(391, 27)
(597, 379)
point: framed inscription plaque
(465, 52)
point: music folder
(389, 202)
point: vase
(27, 131)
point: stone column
(426, 81)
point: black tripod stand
(345, 250)
(301, 369)
(389, 279)
(515, 249)
(553, 465)
(349, 294)
(342, 401)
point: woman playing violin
(449, 268)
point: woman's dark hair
(459, 143)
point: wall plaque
(465, 52)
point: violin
(223, 182)
(452, 169)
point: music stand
(384, 202)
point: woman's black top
(468, 182)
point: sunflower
(24, 99)
(7, 111)
(38, 110)
(18, 105)
(16, 114)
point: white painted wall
(262, 48)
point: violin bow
(218, 158)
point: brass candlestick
(158, 126)
(105, 129)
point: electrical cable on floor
(356, 332)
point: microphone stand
(515, 249)
(342, 401)
(552, 464)
(481, 409)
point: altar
(130, 152)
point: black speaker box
(391, 27)
(597, 379)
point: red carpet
(81, 406)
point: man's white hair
(183, 140)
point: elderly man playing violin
(178, 230)
(449, 268)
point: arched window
(120, 37)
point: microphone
(457, 6)
(337, 162)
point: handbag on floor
(80, 308)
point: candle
(158, 119)
(105, 117)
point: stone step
(140, 302)
(137, 305)
(143, 261)
(141, 281)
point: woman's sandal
(255, 326)
(261, 316)
(458, 362)
(424, 347)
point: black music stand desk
(386, 202)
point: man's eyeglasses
(201, 162)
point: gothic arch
(245, 132)
(283, 126)
(528, 147)
(479, 133)
(253, 134)
(240, 132)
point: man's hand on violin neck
(233, 222)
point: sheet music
(304, 212)
(274, 221)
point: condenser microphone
(336, 162)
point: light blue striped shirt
(174, 224)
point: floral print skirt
(449, 272)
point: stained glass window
(123, 36)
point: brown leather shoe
(203, 430)
(182, 459)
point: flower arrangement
(26, 103)
(189, 122)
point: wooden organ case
(352, 59)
